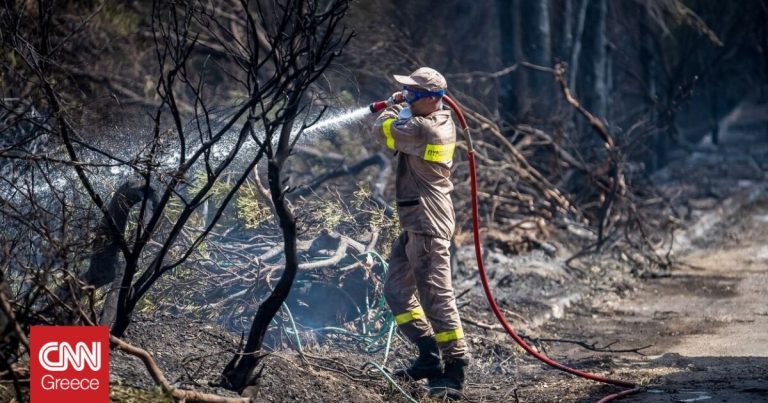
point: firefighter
(418, 286)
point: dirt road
(706, 324)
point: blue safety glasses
(412, 95)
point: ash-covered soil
(677, 318)
(697, 333)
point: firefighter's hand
(397, 98)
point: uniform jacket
(424, 147)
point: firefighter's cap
(424, 77)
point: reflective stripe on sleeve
(409, 316)
(449, 335)
(439, 152)
(387, 128)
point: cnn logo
(67, 356)
(69, 363)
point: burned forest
(368, 201)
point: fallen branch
(341, 253)
(523, 167)
(617, 185)
(16, 370)
(496, 327)
(596, 123)
(343, 170)
(594, 347)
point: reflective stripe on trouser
(421, 263)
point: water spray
(631, 388)
(338, 121)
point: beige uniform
(420, 259)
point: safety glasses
(412, 95)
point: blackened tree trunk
(649, 59)
(763, 34)
(510, 88)
(537, 49)
(536, 35)
(240, 370)
(564, 43)
(321, 42)
(594, 89)
(575, 54)
(105, 265)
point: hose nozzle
(378, 106)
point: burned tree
(55, 200)
(67, 234)
(308, 37)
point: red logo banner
(69, 364)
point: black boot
(427, 365)
(451, 384)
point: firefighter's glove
(396, 98)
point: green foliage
(390, 234)
(202, 249)
(349, 212)
(347, 97)
(376, 216)
(331, 214)
(182, 277)
(217, 192)
(249, 208)
(147, 304)
(173, 209)
(360, 195)
(119, 19)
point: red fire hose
(631, 387)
